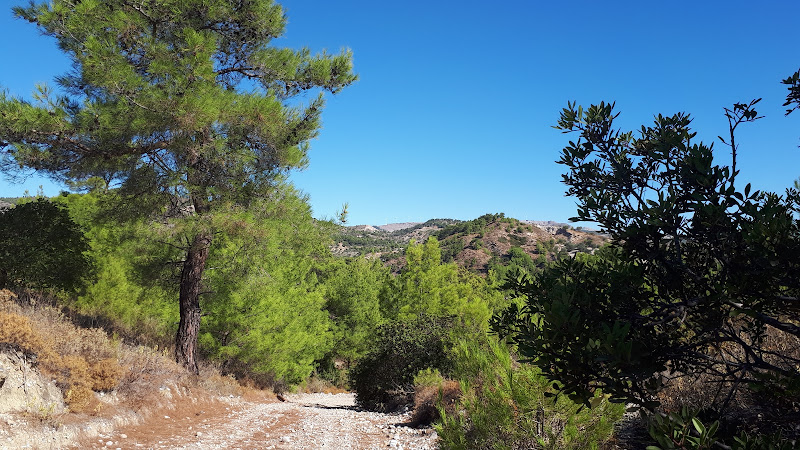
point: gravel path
(304, 421)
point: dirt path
(304, 421)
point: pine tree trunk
(191, 278)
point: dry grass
(774, 406)
(87, 360)
(316, 384)
(427, 400)
(212, 380)
(78, 359)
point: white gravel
(307, 421)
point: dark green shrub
(384, 378)
(41, 247)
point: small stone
(109, 444)
(123, 436)
(166, 417)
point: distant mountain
(474, 244)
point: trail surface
(304, 421)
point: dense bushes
(507, 405)
(384, 378)
(266, 317)
(352, 289)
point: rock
(23, 389)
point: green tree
(42, 247)
(352, 290)
(428, 286)
(265, 317)
(184, 104)
(699, 273)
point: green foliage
(41, 247)
(517, 260)
(384, 378)
(428, 286)
(699, 270)
(186, 106)
(438, 223)
(365, 243)
(134, 285)
(265, 316)
(352, 288)
(162, 96)
(451, 248)
(686, 431)
(508, 406)
(681, 431)
(469, 227)
(428, 377)
(264, 309)
(793, 96)
(582, 246)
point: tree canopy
(184, 105)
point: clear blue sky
(452, 115)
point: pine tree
(183, 103)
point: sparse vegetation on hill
(482, 245)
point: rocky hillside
(475, 244)
(385, 241)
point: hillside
(474, 244)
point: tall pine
(182, 103)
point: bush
(71, 372)
(431, 393)
(685, 430)
(699, 286)
(40, 246)
(106, 375)
(384, 379)
(506, 405)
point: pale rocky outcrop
(24, 389)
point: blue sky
(453, 112)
